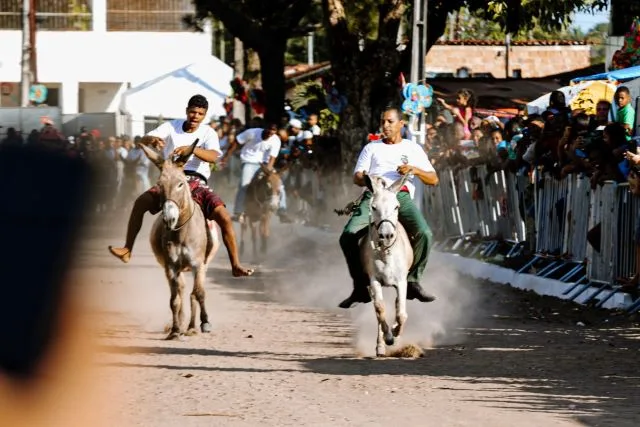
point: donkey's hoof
(397, 330)
(174, 336)
(205, 328)
(191, 332)
(389, 339)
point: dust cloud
(306, 267)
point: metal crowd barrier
(582, 236)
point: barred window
(53, 15)
(147, 15)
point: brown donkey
(262, 199)
(182, 240)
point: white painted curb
(540, 285)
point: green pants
(410, 218)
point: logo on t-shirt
(404, 159)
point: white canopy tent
(168, 94)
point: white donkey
(387, 256)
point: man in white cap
(295, 131)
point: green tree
(597, 36)
(264, 27)
(366, 59)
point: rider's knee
(145, 202)
(347, 239)
(423, 235)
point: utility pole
(418, 58)
(419, 52)
(507, 45)
(33, 56)
(310, 48)
(25, 83)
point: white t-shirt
(315, 130)
(255, 149)
(380, 159)
(173, 135)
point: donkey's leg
(384, 332)
(401, 307)
(264, 232)
(176, 286)
(243, 230)
(254, 240)
(198, 290)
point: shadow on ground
(533, 353)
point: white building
(91, 51)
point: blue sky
(586, 21)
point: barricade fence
(563, 225)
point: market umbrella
(583, 95)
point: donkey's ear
(180, 161)
(155, 157)
(368, 183)
(399, 183)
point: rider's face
(391, 125)
(195, 116)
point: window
(52, 15)
(148, 15)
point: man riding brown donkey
(175, 137)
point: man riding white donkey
(386, 162)
(175, 137)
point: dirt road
(280, 354)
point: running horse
(387, 256)
(261, 201)
(182, 240)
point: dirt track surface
(280, 354)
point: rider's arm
(240, 139)
(358, 179)
(209, 150)
(161, 132)
(362, 166)
(427, 177)
(273, 151)
(422, 168)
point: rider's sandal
(123, 254)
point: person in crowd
(462, 111)
(312, 122)
(626, 114)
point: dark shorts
(200, 192)
(637, 231)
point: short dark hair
(391, 108)
(198, 101)
(623, 89)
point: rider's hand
(633, 158)
(405, 169)
(153, 141)
(181, 151)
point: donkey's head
(268, 188)
(384, 209)
(174, 187)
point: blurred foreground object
(43, 354)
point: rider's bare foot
(239, 271)
(124, 254)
